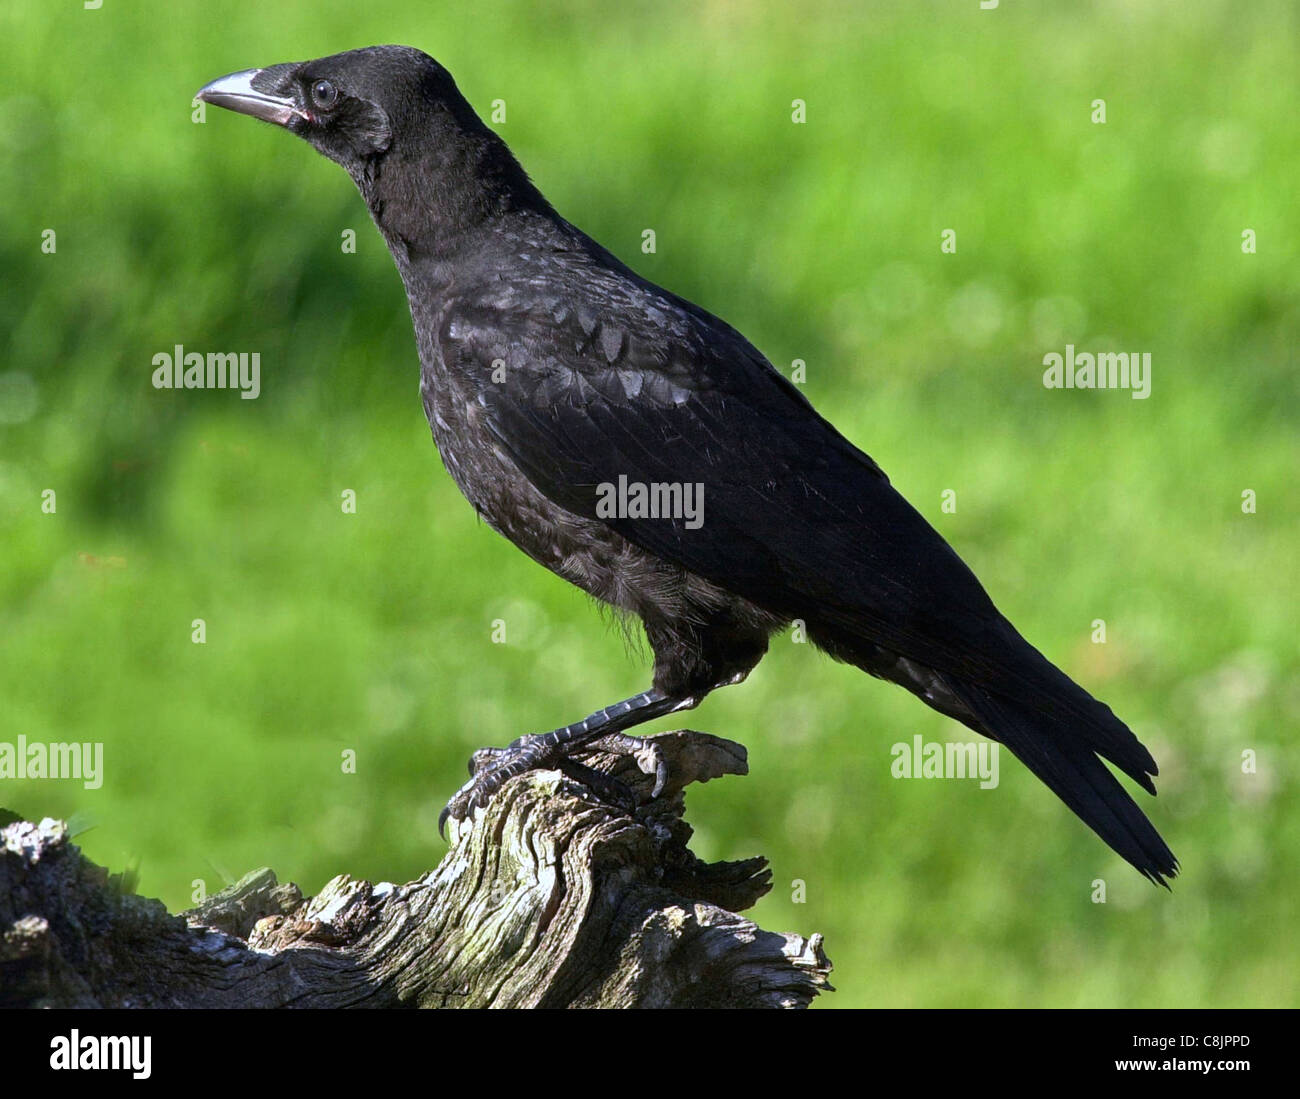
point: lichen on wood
(550, 897)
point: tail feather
(1060, 702)
(1063, 752)
(1050, 723)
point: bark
(550, 897)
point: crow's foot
(646, 751)
(490, 768)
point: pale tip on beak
(235, 92)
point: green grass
(371, 632)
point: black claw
(661, 777)
(442, 821)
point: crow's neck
(435, 207)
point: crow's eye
(324, 94)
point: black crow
(642, 449)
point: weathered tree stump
(548, 898)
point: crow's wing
(795, 517)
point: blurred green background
(820, 241)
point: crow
(642, 449)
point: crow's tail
(1061, 745)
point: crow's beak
(251, 92)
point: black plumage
(551, 369)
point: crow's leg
(491, 767)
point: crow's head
(393, 117)
(350, 106)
